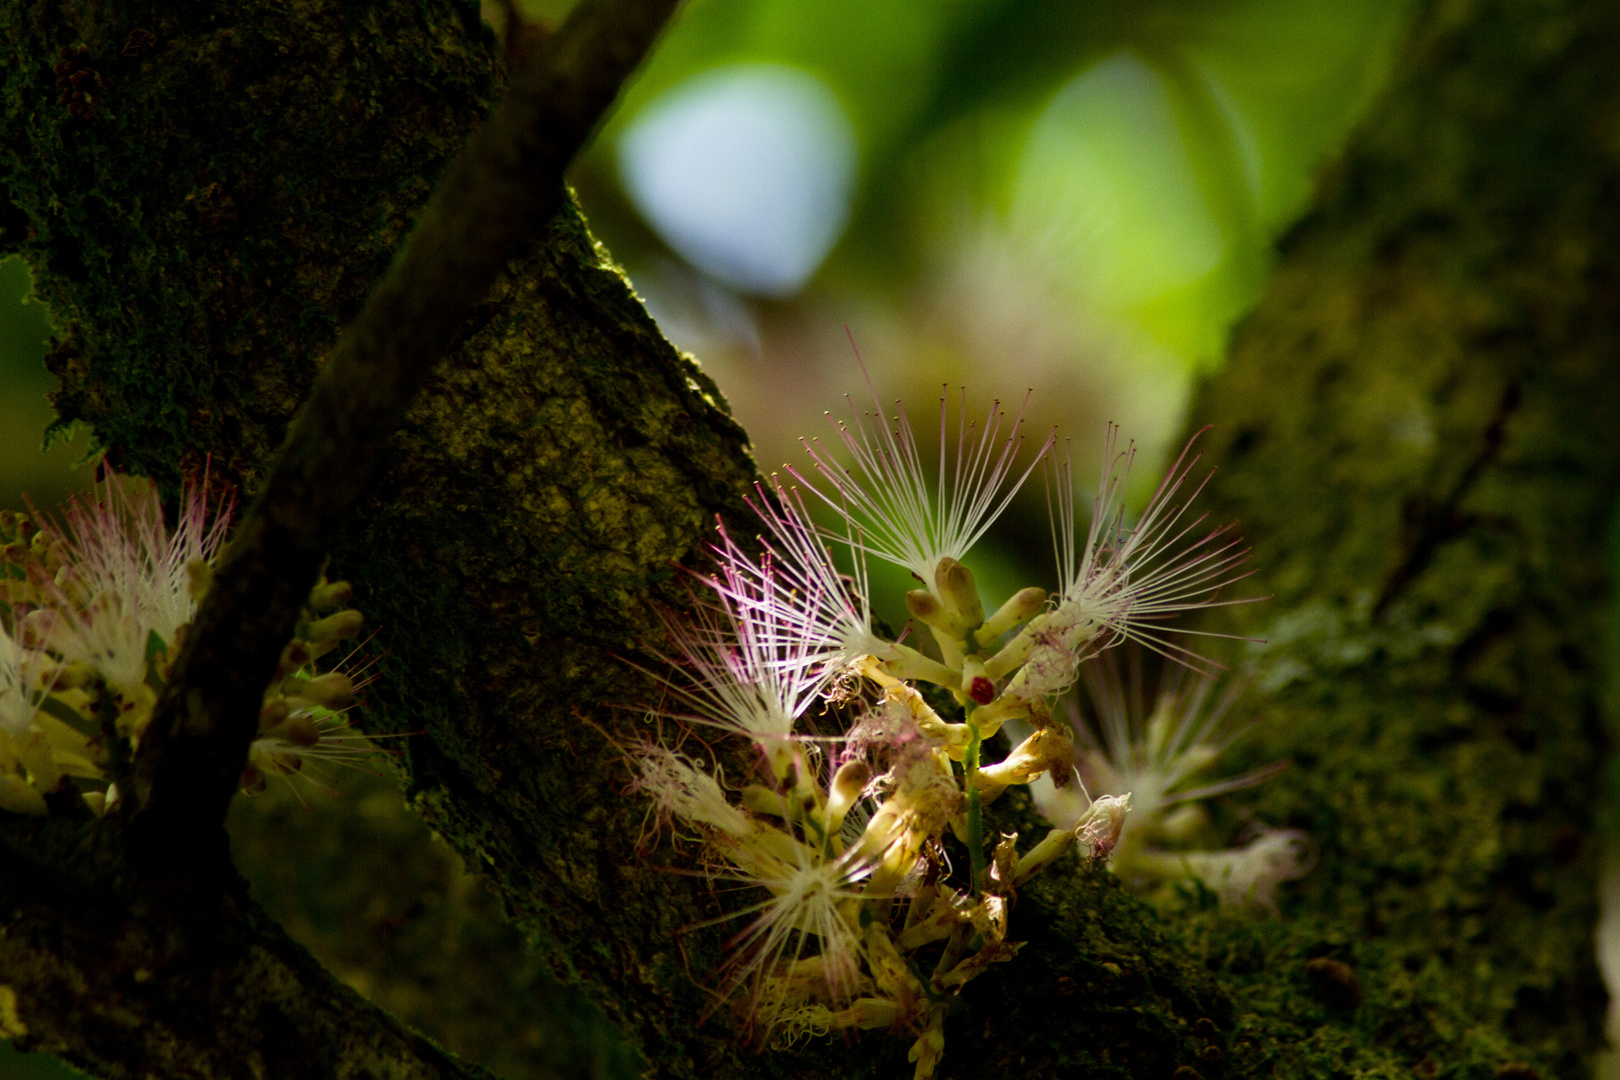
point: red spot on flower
(982, 690)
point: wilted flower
(1243, 875)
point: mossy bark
(1417, 429)
(1420, 431)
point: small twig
(496, 199)
(519, 36)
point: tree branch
(491, 205)
(128, 977)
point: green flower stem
(975, 819)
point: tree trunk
(1416, 429)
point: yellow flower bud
(959, 590)
(330, 596)
(335, 627)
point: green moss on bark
(1417, 429)
(245, 175)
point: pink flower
(742, 666)
(798, 588)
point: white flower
(803, 924)
(1132, 579)
(1127, 582)
(888, 499)
(1152, 753)
(1150, 750)
(126, 586)
(805, 910)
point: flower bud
(252, 782)
(329, 596)
(334, 690)
(908, 663)
(866, 1012)
(335, 627)
(959, 590)
(949, 627)
(763, 800)
(300, 731)
(846, 787)
(1017, 650)
(293, 657)
(273, 713)
(924, 606)
(1021, 606)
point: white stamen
(888, 499)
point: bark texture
(1417, 430)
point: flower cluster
(862, 921)
(93, 612)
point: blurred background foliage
(1072, 198)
